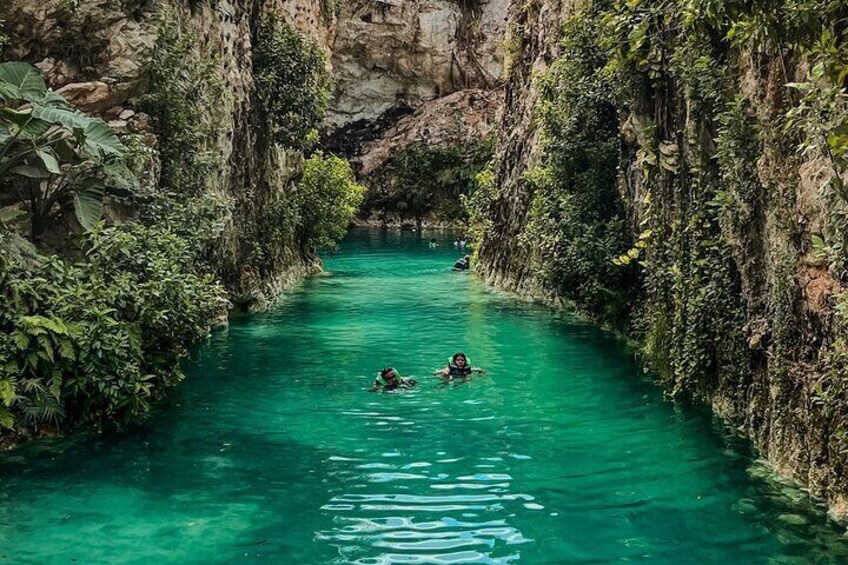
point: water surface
(273, 451)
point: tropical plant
(53, 156)
(97, 341)
(291, 82)
(327, 200)
(187, 101)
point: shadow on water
(272, 450)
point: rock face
(504, 262)
(462, 118)
(406, 52)
(786, 295)
(99, 56)
(407, 72)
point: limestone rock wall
(534, 36)
(98, 54)
(462, 118)
(787, 296)
(406, 52)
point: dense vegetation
(421, 181)
(577, 216)
(327, 198)
(291, 83)
(96, 340)
(108, 272)
(644, 102)
(53, 157)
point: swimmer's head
(460, 360)
(389, 373)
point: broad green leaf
(31, 172)
(49, 160)
(53, 99)
(8, 92)
(67, 117)
(56, 388)
(14, 117)
(25, 78)
(35, 130)
(88, 203)
(101, 140)
(23, 124)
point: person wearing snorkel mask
(389, 379)
(459, 366)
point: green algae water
(273, 451)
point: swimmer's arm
(442, 372)
(375, 388)
(478, 370)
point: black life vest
(455, 371)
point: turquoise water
(273, 451)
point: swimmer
(459, 366)
(462, 264)
(389, 379)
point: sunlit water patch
(273, 451)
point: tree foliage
(98, 340)
(327, 200)
(185, 99)
(54, 157)
(419, 181)
(577, 218)
(290, 81)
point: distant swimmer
(459, 366)
(462, 264)
(389, 379)
(433, 243)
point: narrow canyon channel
(273, 449)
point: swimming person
(462, 264)
(459, 366)
(433, 243)
(389, 379)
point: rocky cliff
(732, 215)
(389, 53)
(112, 57)
(416, 76)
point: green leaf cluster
(185, 99)
(96, 341)
(290, 83)
(577, 219)
(419, 181)
(327, 199)
(53, 157)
